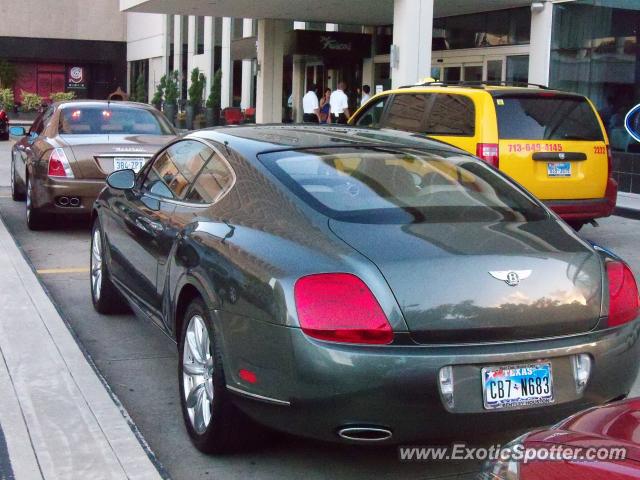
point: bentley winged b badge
(510, 277)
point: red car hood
(615, 425)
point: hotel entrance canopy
(361, 12)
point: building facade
(269, 52)
(67, 48)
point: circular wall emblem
(513, 279)
(76, 74)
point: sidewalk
(57, 419)
(628, 205)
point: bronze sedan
(60, 164)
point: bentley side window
(174, 170)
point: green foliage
(62, 96)
(215, 95)
(6, 98)
(30, 101)
(139, 93)
(196, 89)
(159, 93)
(171, 88)
(8, 74)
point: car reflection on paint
(360, 285)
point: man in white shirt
(366, 90)
(310, 106)
(339, 105)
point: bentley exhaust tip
(63, 201)
(365, 434)
(74, 201)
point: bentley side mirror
(122, 179)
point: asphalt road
(140, 365)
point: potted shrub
(171, 96)
(196, 89)
(6, 99)
(200, 121)
(213, 102)
(181, 120)
(62, 96)
(156, 101)
(140, 90)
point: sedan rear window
(542, 117)
(381, 185)
(111, 120)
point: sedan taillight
(339, 307)
(624, 303)
(59, 164)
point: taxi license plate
(517, 386)
(134, 164)
(559, 169)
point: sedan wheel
(106, 298)
(15, 194)
(34, 216)
(214, 423)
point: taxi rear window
(542, 117)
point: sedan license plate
(124, 163)
(559, 169)
(517, 386)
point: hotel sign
(338, 46)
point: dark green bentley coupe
(360, 285)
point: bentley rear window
(405, 185)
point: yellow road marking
(48, 271)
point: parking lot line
(53, 271)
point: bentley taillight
(624, 303)
(339, 307)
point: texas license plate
(134, 164)
(517, 386)
(559, 169)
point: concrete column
(271, 36)
(297, 85)
(178, 35)
(227, 67)
(208, 67)
(247, 69)
(191, 49)
(540, 48)
(412, 32)
(368, 71)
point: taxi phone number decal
(535, 147)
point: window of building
(199, 36)
(488, 29)
(518, 68)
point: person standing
(310, 106)
(339, 105)
(366, 90)
(325, 107)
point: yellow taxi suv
(553, 143)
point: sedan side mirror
(18, 131)
(122, 179)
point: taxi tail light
(339, 307)
(489, 152)
(59, 164)
(624, 303)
